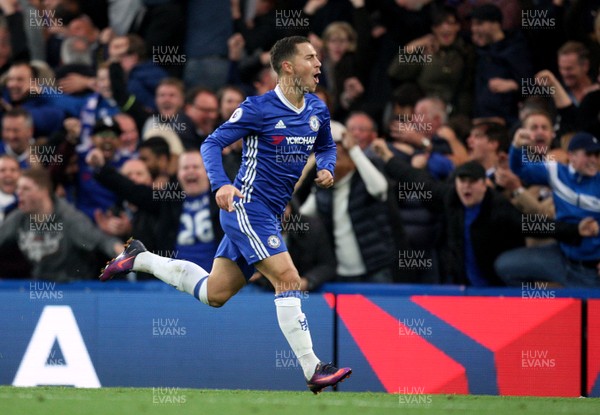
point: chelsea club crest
(273, 241)
(314, 123)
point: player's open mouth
(316, 77)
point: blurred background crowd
(465, 130)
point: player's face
(584, 163)
(306, 67)
(9, 174)
(192, 174)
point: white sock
(294, 326)
(183, 275)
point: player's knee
(288, 280)
(219, 299)
(217, 302)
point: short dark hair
(20, 113)
(539, 111)
(226, 88)
(578, 48)
(495, 132)
(137, 46)
(41, 177)
(157, 145)
(407, 94)
(171, 81)
(34, 71)
(441, 13)
(197, 90)
(11, 158)
(285, 49)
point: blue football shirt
(196, 240)
(278, 138)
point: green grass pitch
(64, 401)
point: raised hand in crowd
(113, 224)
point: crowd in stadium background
(114, 98)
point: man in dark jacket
(358, 217)
(503, 62)
(480, 224)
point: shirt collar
(286, 102)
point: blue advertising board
(155, 339)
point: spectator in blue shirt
(480, 224)
(576, 194)
(91, 195)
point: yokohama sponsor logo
(301, 140)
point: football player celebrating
(280, 129)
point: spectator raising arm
(531, 171)
(375, 181)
